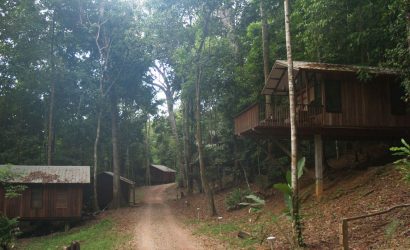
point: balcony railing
(253, 117)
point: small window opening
(36, 198)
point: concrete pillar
(319, 165)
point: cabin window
(317, 88)
(398, 105)
(333, 98)
(318, 92)
(36, 198)
(61, 199)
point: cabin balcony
(252, 119)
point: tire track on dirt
(158, 228)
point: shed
(161, 174)
(105, 189)
(52, 192)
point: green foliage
(6, 175)
(224, 232)
(391, 228)
(8, 231)
(234, 199)
(286, 188)
(255, 203)
(404, 162)
(98, 236)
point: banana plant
(286, 188)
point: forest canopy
(67, 66)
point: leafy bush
(255, 202)
(234, 198)
(403, 152)
(8, 227)
(6, 175)
(8, 231)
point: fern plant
(404, 162)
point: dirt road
(157, 227)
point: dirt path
(157, 227)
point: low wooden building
(105, 190)
(161, 174)
(332, 101)
(51, 193)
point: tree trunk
(115, 150)
(171, 118)
(266, 70)
(187, 147)
(297, 232)
(147, 154)
(50, 139)
(201, 154)
(127, 162)
(202, 168)
(103, 62)
(95, 170)
(266, 66)
(408, 29)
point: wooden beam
(282, 147)
(280, 78)
(319, 165)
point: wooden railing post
(344, 230)
(344, 240)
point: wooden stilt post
(344, 240)
(319, 165)
(133, 194)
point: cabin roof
(121, 178)
(278, 78)
(49, 174)
(163, 168)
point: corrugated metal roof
(121, 178)
(336, 67)
(278, 77)
(49, 174)
(163, 168)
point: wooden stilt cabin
(51, 193)
(332, 101)
(105, 189)
(161, 174)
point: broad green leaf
(288, 203)
(405, 143)
(301, 165)
(288, 177)
(284, 188)
(256, 199)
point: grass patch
(226, 232)
(97, 236)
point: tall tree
(167, 83)
(297, 231)
(50, 138)
(201, 152)
(266, 63)
(116, 202)
(187, 144)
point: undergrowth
(226, 232)
(97, 236)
